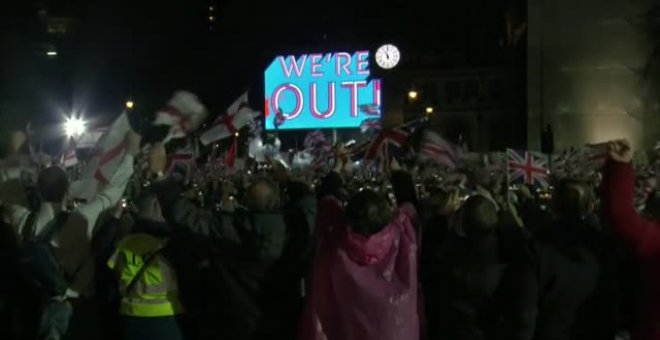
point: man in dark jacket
(577, 287)
(482, 279)
(244, 276)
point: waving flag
(528, 167)
(109, 152)
(238, 115)
(319, 148)
(90, 138)
(69, 158)
(437, 149)
(184, 113)
(388, 143)
(371, 109)
(371, 124)
(181, 159)
(580, 162)
(230, 157)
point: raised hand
(621, 150)
(158, 159)
(16, 141)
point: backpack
(38, 266)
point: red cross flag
(184, 113)
(238, 115)
(69, 158)
(90, 138)
(109, 152)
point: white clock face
(387, 56)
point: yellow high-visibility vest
(155, 291)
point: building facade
(482, 107)
(588, 76)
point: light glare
(74, 127)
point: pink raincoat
(363, 288)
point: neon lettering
(345, 64)
(300, 101)
(293, 65)
(362, 63)
(314, 99)
(316, 64)
(353, 86)
(376, 83)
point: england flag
(238, 115)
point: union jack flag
(528, 167)
(370, 124)
(182, 159)
(370, 109)
(388, 143)
(320, 148)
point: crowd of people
(276, 257)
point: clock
(387, 56)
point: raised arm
(109, 196)
(617, 198)
(404, 187)
(180, 212)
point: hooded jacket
(363, 288)
(642, 235)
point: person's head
(571, 198)
(149, 208)
(333, 186)
(53, 184)
(262, 196)
(479, 217)
(297, 190)
(368, 212)
(437, 201)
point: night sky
(148, 49)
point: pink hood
(363, 288)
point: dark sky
(148, 49)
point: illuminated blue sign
(320, 91)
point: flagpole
(508, 178)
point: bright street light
(51, 53)
(412, 94)
(74, 127)
(129, 104)
(429, 109)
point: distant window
(430, 89)
(58, 26)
